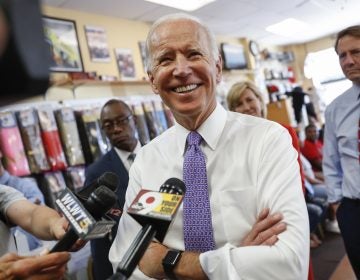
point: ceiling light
(186, 5)
(288, 27)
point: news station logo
(155, 204)
(75, 213)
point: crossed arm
(264, 232)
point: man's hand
(58, 227)
(265, 230)
(46, 267)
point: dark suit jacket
(102, 268)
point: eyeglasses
(117, 122)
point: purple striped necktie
(198, 231)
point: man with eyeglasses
(118, 123)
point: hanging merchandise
(140, 121)
(11, 146)
(33, 144)
(291, 75)
(51, 139)
(90, 134)
(160, 115)
(75, 177)
(169, 116)
(151, 119)
(51, 185)
(70, 136)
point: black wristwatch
(169, 262)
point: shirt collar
(125, 154)
(357, 90)
(210, 130)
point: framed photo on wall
(125, 62)
(61, 35)
(97, 43)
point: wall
(118, 36)
(300, 52)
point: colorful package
(31, 136)
(51, 139)
(11, 146)
(70, 136)
(141, 125)
(90, 134)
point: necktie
(131, 158)
(198, 232)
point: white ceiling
(238, 18)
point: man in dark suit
(119, 126)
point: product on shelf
(11, 146)
(33, 144)
(169, 116)
(90, 134)
(151, 119)
(160, 115)
(51, 184)
(51, 139)
(75, 177)
(104, 142)
(140, 121)
(70, 136)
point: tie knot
(194, 138)
(132, 156)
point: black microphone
(155, 222)
(107, 179)
(99, 202)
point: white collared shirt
(251, 164)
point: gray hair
(174, 17)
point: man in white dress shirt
(251, 165)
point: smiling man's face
(184, 72)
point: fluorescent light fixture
(288, 27)
(186, 5)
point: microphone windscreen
(110, 180)
(173, 186)
(100, 201)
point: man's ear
(152, 83)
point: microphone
(83, 217)
(107, 179)
(154, 211)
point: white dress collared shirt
(251, 165)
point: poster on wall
(125, 62)
(97, 43)
(61, 36)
